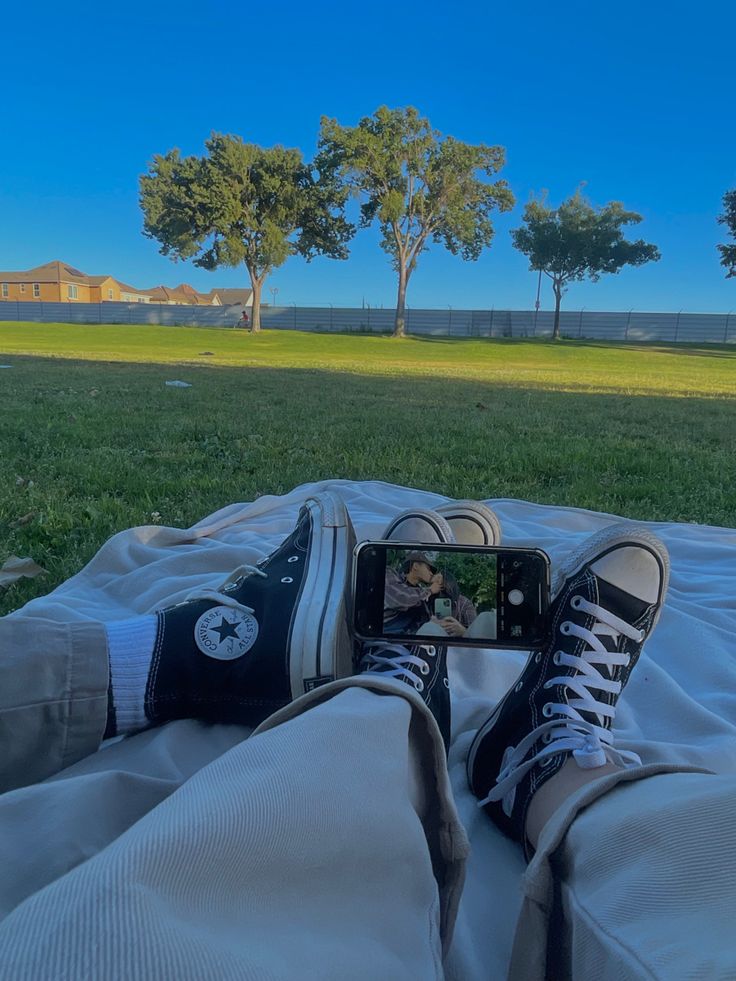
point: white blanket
(680, 705)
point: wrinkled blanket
(679, 707)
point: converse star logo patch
(225, 633)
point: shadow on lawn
(727, 351)
(108, 444)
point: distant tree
(728, 218)
(417, 186)
(577, 240)
(243, 203)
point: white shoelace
(377, 657)
(222, 599)
(591, 745)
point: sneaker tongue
(622, 604)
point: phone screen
(477, 596)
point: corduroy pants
(325, 845)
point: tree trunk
(400, 323)
(557, 287)
(255, 317)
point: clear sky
(637, 99)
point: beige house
(58, 281)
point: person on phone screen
(458, 613)
(408, 592)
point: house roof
(167, 293)
(57, 271)
(228, 296)
(130, 289)
(50, 272)
(183, 293)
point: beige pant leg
(637, 882)
(324, 847)
(53, 696)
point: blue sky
(636, 99)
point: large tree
(728, 218)
(418, 186)
(576, 241)
(242, 203)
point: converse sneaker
(606, 602)
(424, 667)
(269, 634)
(463, 522)
(472, 522)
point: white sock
(130, 648)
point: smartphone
(442, 607)
(499, 596)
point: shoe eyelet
(557, 658)
(424, 668)
(538, 657)
(419, 684)
(431, 651)
(519, 686)
(293, 558)
(546, 737)
(575, 602)
(642, 636)
(446, 682)
(287, 579)
(565, 627)
(547, 710)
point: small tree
(417, 186)
(577, 240)
(728, 218)
(243, 203)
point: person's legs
(326, 846)
(53, 696)
(270, 861)
(484, 626)
(229, 655)
(551, 733)
(635, 878)
(619, 866)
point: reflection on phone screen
(440, 593)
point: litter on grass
(14, 568)
(178, 384)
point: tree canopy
(728, 218)
(578, 241)
(418, 186)
(242, 203)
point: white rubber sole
(320, 648)
(484, 526)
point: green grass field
(646, 432)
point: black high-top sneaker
(423, 667)
(606, 602)
(273, 632)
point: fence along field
(707, 328)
